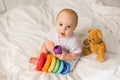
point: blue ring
(67, 70)
(61, 67)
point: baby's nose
(64, 28)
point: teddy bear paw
(100, 59)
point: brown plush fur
(95, 44)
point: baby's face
(66, 24)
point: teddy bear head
(94, 36)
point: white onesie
(69, 44)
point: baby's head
(66, 22)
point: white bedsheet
(23, 30)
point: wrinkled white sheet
(23, 30)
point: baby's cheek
(69, 33)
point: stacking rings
(52, 64)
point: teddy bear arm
(86, 42)
(86, 51)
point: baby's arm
(51, 46)
(71, 56)
(68, 56)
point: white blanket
(23, 30)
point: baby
(63, 34)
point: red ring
(47, 63)
(41, 61)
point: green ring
(56, 66)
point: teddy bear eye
(92, 38)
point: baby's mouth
(63, 34)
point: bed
(23, 30)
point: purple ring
(57, 49)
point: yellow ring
(52, 64)
(56, 66)
(47, 63)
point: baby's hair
(70, 11)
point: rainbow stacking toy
(49, 63)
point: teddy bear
(94, 44)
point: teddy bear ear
(99, 33)
(89, 30)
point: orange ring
(41, 61)
(47, 63)
(53, 63)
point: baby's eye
(68, 26)
(61, 24)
